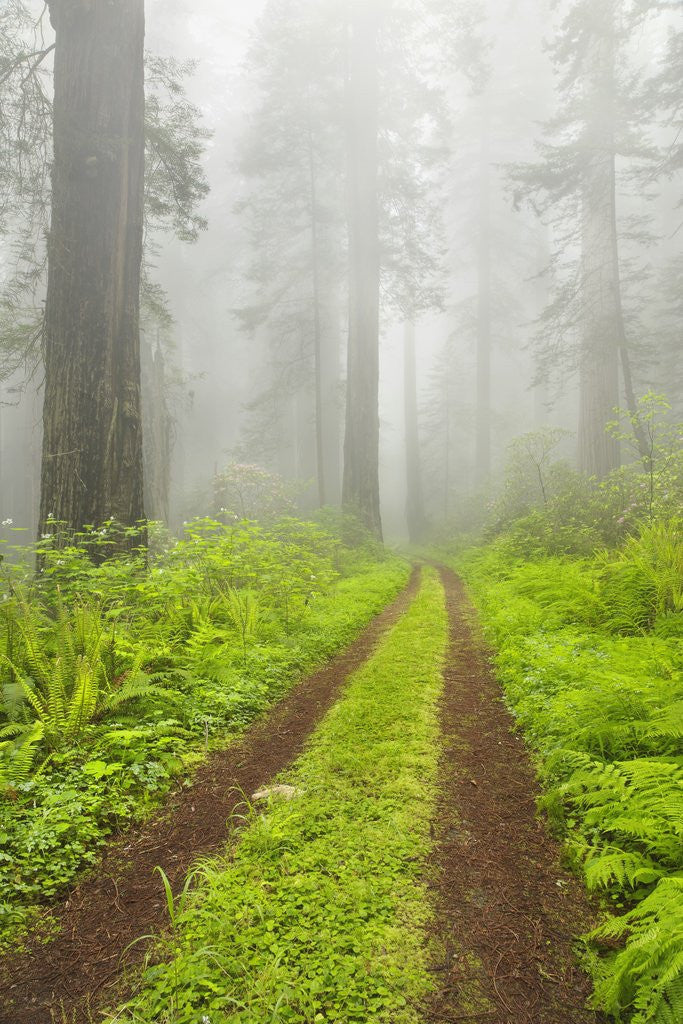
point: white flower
(7, 522)
(46, 536)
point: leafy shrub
(247, 492)
(546, 508)
(114, 678)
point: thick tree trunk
(601, 306)
(415, 513)
(92, 443)
(360, 491)
(483, 418)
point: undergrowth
(115, 679)
(318, 912)
(590, 654)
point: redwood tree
(92, 444)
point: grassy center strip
(319, 913)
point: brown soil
(507, 912)
(78, 970)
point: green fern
(611, 866)
(19, 746)
(244, 613)
(646, 976)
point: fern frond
(611, 865)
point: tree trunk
(331, 390)
(157, 434)
(317, 324)
(415, 513)
(360, 491)
(483, 418)
(92, 442)
(601, 309)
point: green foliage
(317, 914)
(590, 653)
(115, 677)
(643, 582)
(647, 975)
(545, 508)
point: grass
(590, 653)
(318, 913)
(54, 822)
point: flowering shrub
(250, 492)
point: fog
(489, 142)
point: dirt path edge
(75, 973)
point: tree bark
(415, 513)
(92, 442)
(601, 307)
(360, 492)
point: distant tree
(598, 132)
(92, 437)
(292, 206)
(361, 445)
(484, 297)
(301, 222)
(415, 507)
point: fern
(612, 866)
(640, 801)
(18, 753)
(245, 616)
(646, 976)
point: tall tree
(592, 148)
(602, 320)
(484, 300)
(292, 205)
(415, 510)
(92, 441)
(361, 444)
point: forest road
(507, 913)
(81, 968)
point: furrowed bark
(92, 444)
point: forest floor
(506, 913)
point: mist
(481, 206)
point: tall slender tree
(92, 442)
(292, 206)
(415, 510)
(592, 151)
(484, 301)
(600, 279)
(361, 444)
